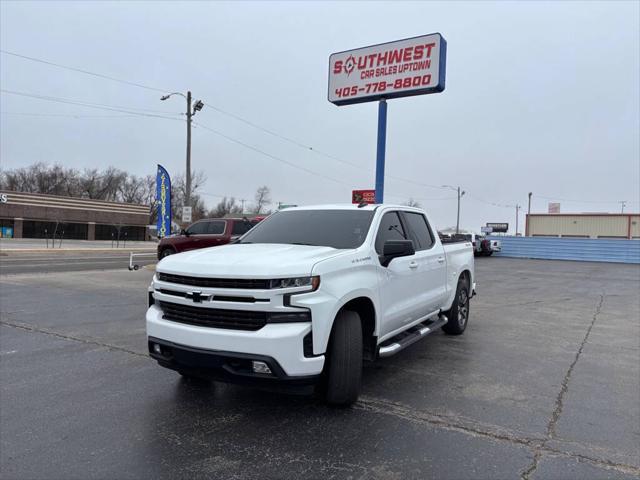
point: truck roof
(349, 206)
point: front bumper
(282, 343)
(223, 366)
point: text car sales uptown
(391, 62)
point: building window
(38, 229)
(6, 228)
(120, 232)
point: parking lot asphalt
(545, 383)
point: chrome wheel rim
(463, 308)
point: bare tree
(412, 203)
(263, 199)
(178, 194)
(110, 184)
(225, 207)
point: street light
(460, 195)
(190, 113)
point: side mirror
(396, 248)
(184, 232)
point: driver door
(195, 234)
(398, 283)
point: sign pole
(382, 140)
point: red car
(209, 232)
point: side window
(420, 232)
(216, 227)
(197, 228)
(240, 227)
(390, 229)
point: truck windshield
(328, 228)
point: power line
(86, 72)
(309, 147)
(85, 102)
(490, 203)
(71, 115)
(87, 105)
(224, 112)
(262, 152)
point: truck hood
(260, 260)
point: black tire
(166, 252)
(489, 253)
(458, 315)
(344, 362)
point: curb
(62, 251)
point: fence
(581, 249)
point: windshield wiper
(301, 243)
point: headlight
(313, 282)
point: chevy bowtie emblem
(197, 297)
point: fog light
(260, 367)
(157, 349)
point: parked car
(209, 232)
(307, 295)
(482, 246)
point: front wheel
(458, 315)
(166, 252)
(344, 362)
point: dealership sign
(498, 227)
(414, 66)
(363, 196)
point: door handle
(413, 264)
(440, 259)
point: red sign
(363, 196)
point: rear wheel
(344, 362)
(458, 315)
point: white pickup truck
(307, 295)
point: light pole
(460, 195)
(526, 225)
(190, 113)
(517, 210)
(623, 203)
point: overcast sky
(540, 97)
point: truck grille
(215, 282)
(213, 317)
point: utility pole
(623, 203)
(460, 195)
(187, 193)
(517, 211)
(526, 225)
(458, 217)
(189, 114)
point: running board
(411, 336)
